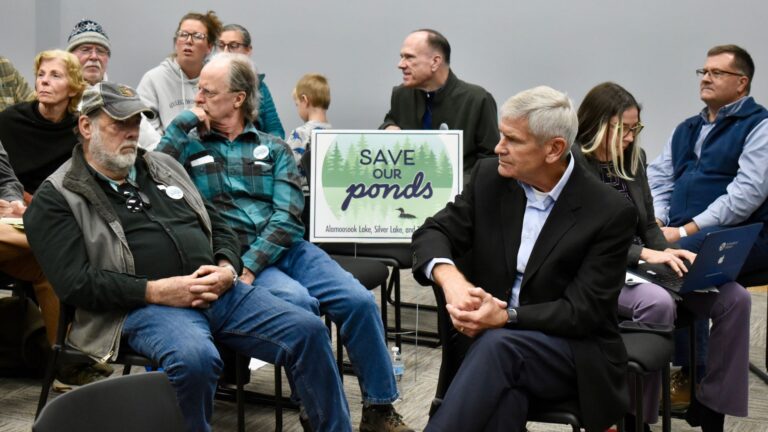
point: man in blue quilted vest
(712, 174)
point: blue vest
(700, 181)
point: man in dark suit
(549, 245)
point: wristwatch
(511, 316)
(683, 232)
(234, 273)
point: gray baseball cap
(117, 100)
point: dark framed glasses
(636, 129)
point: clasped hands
(473, 310)
(198, 290)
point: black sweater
(35, 145)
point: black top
(164, 233)
(60, 248)
(35, 145)
(608, 177)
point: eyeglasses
(135, 200)
(208, 94)
(716, 73)
(88, 49)
(636, 129)
(232, 46)
(185, 35)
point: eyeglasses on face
(135, 200)
(88, 49)
(232, 46)
(208, 94)
(716, 73)
(635, 130)
(185, 35)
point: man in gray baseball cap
(117, 100)
(125, 237)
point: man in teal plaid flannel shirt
(251, 178)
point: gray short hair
(242, 78)
(550, 113)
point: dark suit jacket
(571, 284)
(647, 229)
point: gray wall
(650, 47)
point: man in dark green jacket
(432, 97)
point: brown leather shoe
(680, 391)
(382, 418)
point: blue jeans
(307, 277)
(249, 320)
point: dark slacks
(501, 371)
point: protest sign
(379, 186)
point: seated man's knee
(194, 360)
(299, 297)
(360, 298)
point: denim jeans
(249, 320)
(307, 277)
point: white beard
(115, 162)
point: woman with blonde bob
(606, 145)
(39, 135)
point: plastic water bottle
(398, 368)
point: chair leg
(666, 403)
(239, 394)
(763, 375)
(385, 318)
(278, 399)
(639, 417)
(339, 354)
(692, 368)
(395, 284)
(50, 374)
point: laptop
(720, 258)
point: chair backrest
(140, 402)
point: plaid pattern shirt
(252, 181)
(13, 87)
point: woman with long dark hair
(609, 123)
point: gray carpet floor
(18, 397)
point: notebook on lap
(720, 258)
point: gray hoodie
(168, 91)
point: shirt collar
(551, 196)
(248, 128)
(112, 183)
(724, 111)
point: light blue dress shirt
(746, 192)
(537, 210)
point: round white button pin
(260, 152)
(174, 192)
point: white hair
(550, 113)
(243, 76)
